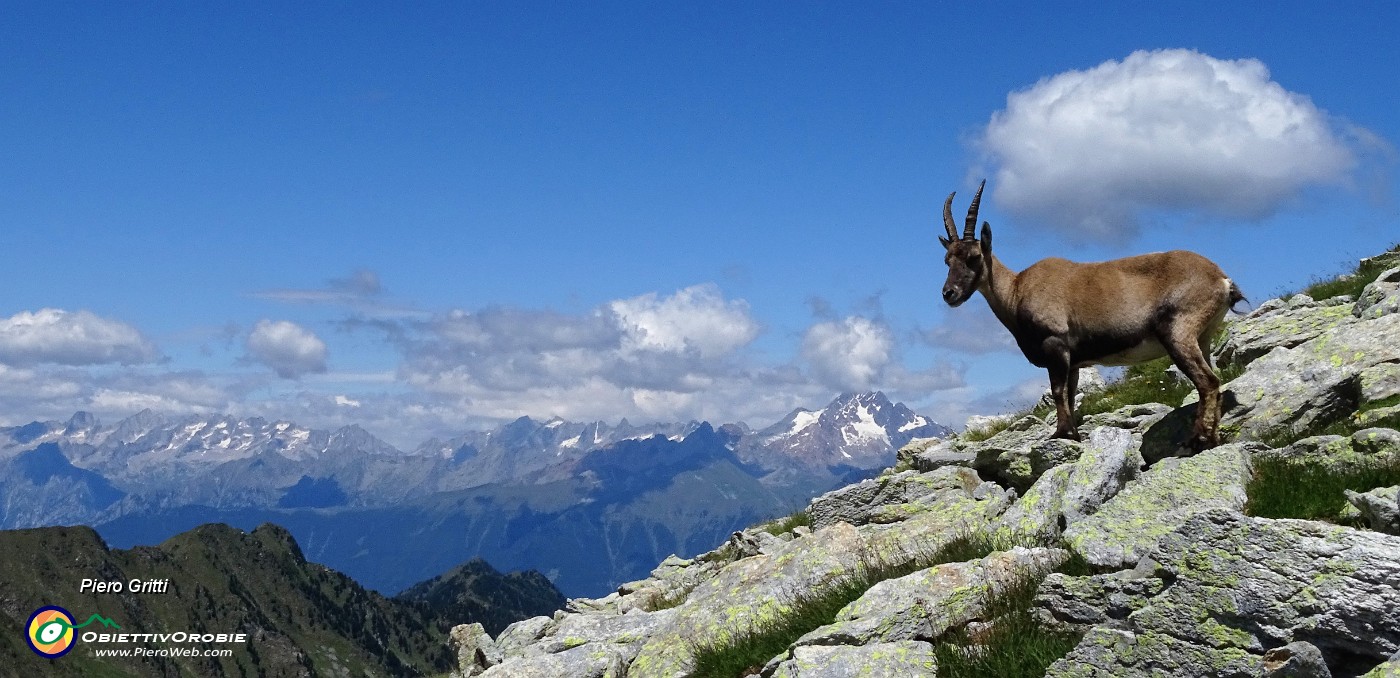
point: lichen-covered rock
(1240, 586)
(1366, 447)
(1132, 417)
(518, 640)
(1299, 659)
(854, 503)
(1314, 382)
(1080, 603)
(927, 603)
(1390, 669)
(1107, 461)
(752, 592)
(1127, 526)
(1268, 328)
(930, 454)
(1379, 382)
(475, 650)
(1381, 297)
(903, 659)
(580, 662)
(1379, 507)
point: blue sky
(431, 218)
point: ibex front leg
(1064, 379)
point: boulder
(854, 504)
(475, 650)
(1299, 659)
(1108, 460)
(903, 659)
(1274, 326)
(579, 662)
(1242, 586)
(1127, 526)
(927, 603)
(1379, 507)
(1381, 297)
(1077, 604)
(931, 454)
(1313, 383)
(757, 591)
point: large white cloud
(848, 354)
(288, 348)
(1090, 151)
(62, 337)
(696, 318)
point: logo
(50, 632)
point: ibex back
(1066, 315)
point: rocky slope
(1122, 555)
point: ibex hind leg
(1189, 350)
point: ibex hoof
(1202, 443)
(1071, 434)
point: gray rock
(854, 504)
(927, 603)
(519, 638)
(1109, 459)
(1127, 527)
(1079, 603)
(475, 650)
(1315, 382)
(1132, 417)
(1364, 448)
(1258, 333)
(1380, 507)
(934, 455)
(1299, 659)
(757, 591)
(1381, 297)
(1379, 382)
(903, 659)
(579, 662)
(1240, 586)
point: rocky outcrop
(1128, 526)
(1171, 578)
(1241, 586)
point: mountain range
(588, 504)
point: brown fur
(1066, 315)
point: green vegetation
(1003, 423)
(785, 525)
(1149, 382)
(1015, 645)
(1282, 488)
(744, 653)
(1352, 282)
(1343, 426)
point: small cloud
(62, 337)
(346, 402)
(848, 354)
(696, 318)
(289, 349)
(1089, 152)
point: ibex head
(968, 258)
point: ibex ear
(946, 242)
(986, 239)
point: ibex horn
(948, 217)
(969, 231)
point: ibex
(1065, 315)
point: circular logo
(51, 632)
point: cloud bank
(288, 348)
(1089, 152)
(75, 338)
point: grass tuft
(745, 653)
(783, 526)
(1014, 645)
(1353, 282)
(1289, 489)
